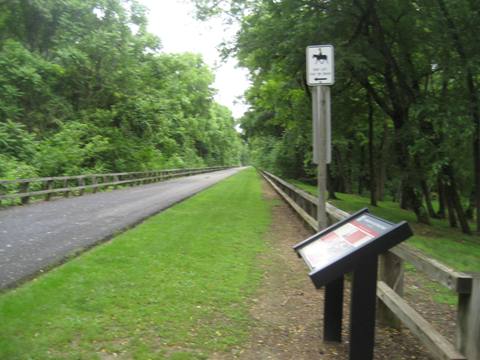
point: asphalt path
(37, 236)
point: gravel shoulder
(36, 237)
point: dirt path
(288, 309)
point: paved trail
(39, 235)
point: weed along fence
(47, 187)
(393, 309)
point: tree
(93, 92)
(390, 52)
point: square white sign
(320, 65)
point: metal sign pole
(315, 125)
(321, 138)
(328, 125)
(322, 165)
(321, 146)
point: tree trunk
(428, 198)
(360, 170)
(455, 200)
(471, 206)
(397, 195)
(462, 219)
(411, 198)
(416, 203)
(404, 197)
(348, 172)
(340, 178)
(371, 162)
(441, 198)
(476, 166)
(451, 211)
(381, 177)
(382, 168)
(330, 185)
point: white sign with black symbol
(320, 65)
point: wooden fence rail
(393, 309)
(25, 189)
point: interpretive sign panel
(351, 245)
(336, 250)
(343, 240)
(320, 65)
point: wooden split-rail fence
(393, 309)
(48, 187)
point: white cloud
(174, 23)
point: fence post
(24, 189)
(66, 193)
(310, 210)
(49, 187)
(94, 182)
(115, 180)
(81, 183)
(391, 272)
(468, 321)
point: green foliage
(406, 88)
(74, 149)
(16, 141)
(11, 169)
(26, 81)
(84, 88)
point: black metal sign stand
(351, 245)
(333, 310)
(362, 309)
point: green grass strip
(172, 288)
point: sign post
(319, 148)
(320, 75)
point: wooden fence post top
(468, 320)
